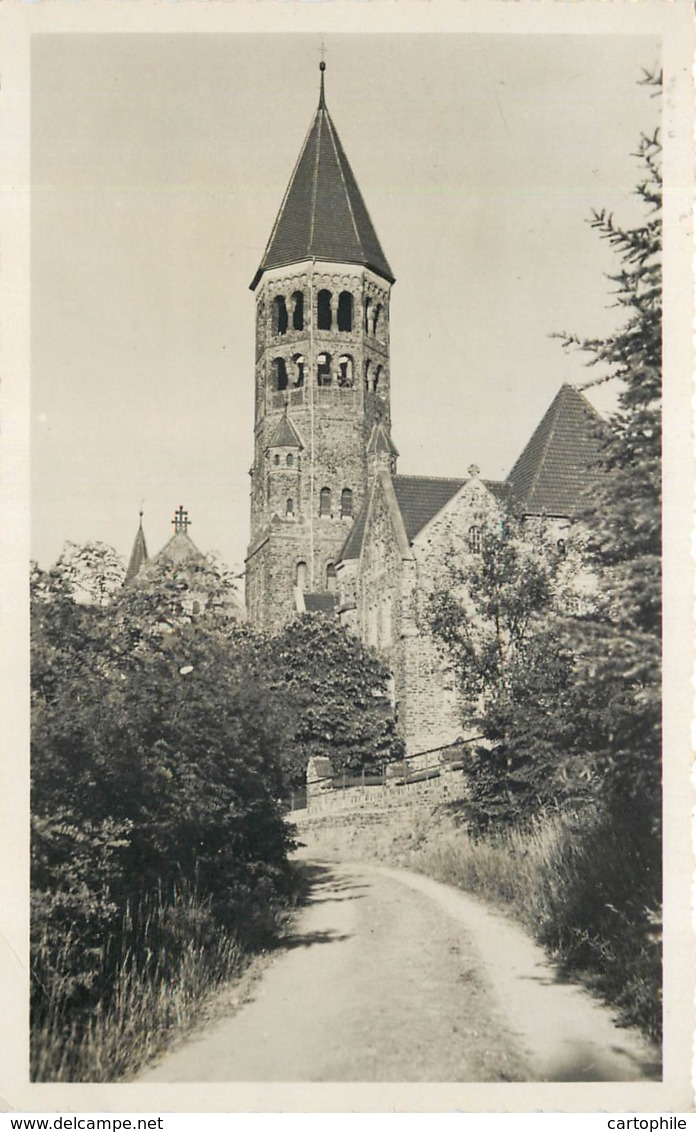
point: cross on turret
(181, 521)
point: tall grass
(580, 885)
(156, 974)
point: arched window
(281, 373)
(376, 315)
(325, 501)
(345, 371)
(368, 365)
(289, 459)
(301, 575)
(345, 311)
(562, 548)
(331, 577)
(377, 380)
(195, 607)
(289, 507)
(368, 304)
(324, 369)
(324, 310)
(475, 540)
(276, 458)
(280, 315)
(346, 503)
(299, 364)
(297, 310)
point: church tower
(322, 379)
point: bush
(155, 769)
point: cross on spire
(181, 521)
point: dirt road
(390, 976)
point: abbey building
(334, 527)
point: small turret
(382, 453)
(138, 556)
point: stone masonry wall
(395, 589)
(333, 414)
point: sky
(159, 163)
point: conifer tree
(619, 650)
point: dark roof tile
(353, 544)
(381, 441)
(138, 556)
(323, 215)
(286, 435)
(421, 497)
(558, 466)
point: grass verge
(160, 974)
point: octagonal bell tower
(322, 379)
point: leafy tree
(171, 594)
(155, 763)
(496, 618)
(93, 572)
(334, 693)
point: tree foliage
(155, 763)
(92, 572)
(497, 620)
(334, 694)
(619, 651)
(579, 695)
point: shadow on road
(308, 939)
(320, 884)
(317, 877)
(582, 1062)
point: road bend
(390, 976)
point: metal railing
(449, 758)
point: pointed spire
(381, 441)
(323, 215)
(382, 453)
(138, 556)
(286, 435)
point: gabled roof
(320, 602)
(180, 548)
(419, 499)
(323, 215)
(286, 435)
(138, 556)
(559, 463)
